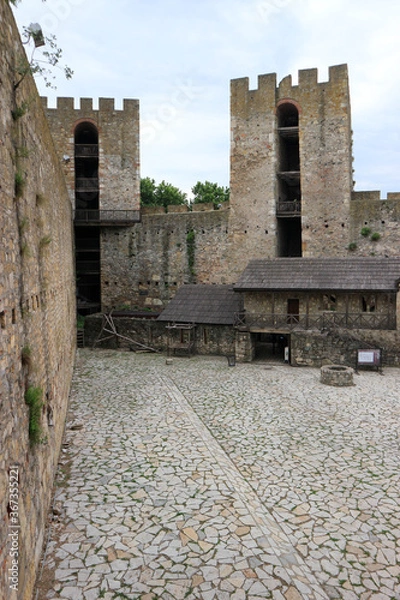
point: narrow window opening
(288, 207)
(293, 310)
(368, 303)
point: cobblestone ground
(198, 480)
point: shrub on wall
(33, 398)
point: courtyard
(202, 481)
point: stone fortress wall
(37, 314)
(145, 265)
(142, 265)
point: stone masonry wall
(37, 314)
(144, 265)
(314, 349)
(119, 154)
(381, 218)
(217, 340)
(319, 303)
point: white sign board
(369, 357)
(366, 356)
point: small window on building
(329, 302)
(368, 303)
(205, 335)
(184, 336)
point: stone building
(347, 297)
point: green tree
(167, 193)
(148, 191)
(209, 192)
(162, 194)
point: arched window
(288, 115)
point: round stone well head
(338, 375)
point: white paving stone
(186, 478)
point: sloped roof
(206, 304)
(340, 274)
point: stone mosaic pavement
(197, 480)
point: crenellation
(308, 78)
(285, 84)
(131, 105)
(239, 95)
(65, 104)
(85, 105)
(393, 196)
(338, 75)
(370, 196)
(106, 105)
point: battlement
(106, 105)
(267, 93)
(374, 196)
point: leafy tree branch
(49, 57)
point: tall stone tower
(100, 153)
(291, 167)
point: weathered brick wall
(119, 155)
(37, 310)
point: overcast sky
(178, 57)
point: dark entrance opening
(293, 311)
(87, 254)
(289, 237)
(87, 237)
(271, 346)
(288, 208)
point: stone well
(338, 375)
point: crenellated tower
(99, 150)
(291, 167)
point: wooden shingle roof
(340, 274)
(202, 304)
